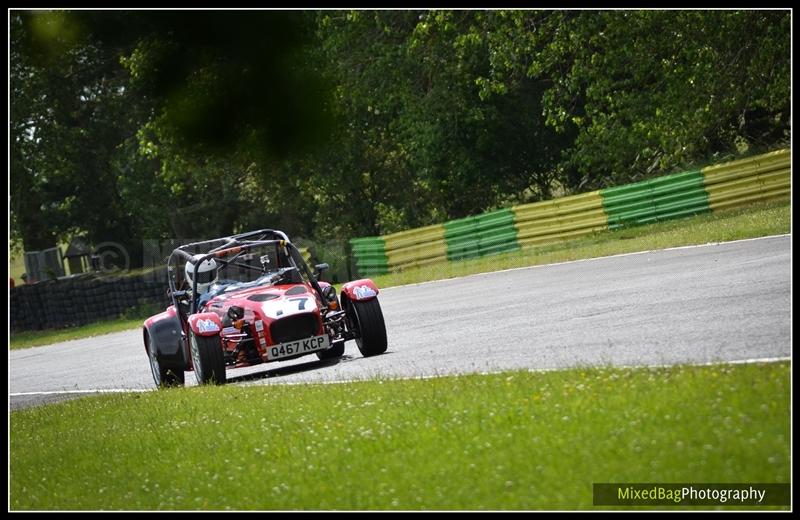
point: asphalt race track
(699, 304)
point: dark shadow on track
(284, 371)
(295, 369)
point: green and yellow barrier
(481, 235)
(306, 254)
(662, 198)
(732, 184)
(370, 255)
(415, 247)
(559, 219)
(738, 183)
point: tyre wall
(83, 299)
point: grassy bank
(753, 221)
(516, 440)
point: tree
(68, 115)
(652, 91)
(148, 124)
(119, 115)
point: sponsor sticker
(364, 291)
(207, 326)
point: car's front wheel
(208, 359)
(367, 319)
(163, 375)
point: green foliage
(650, 91)
(128, 125)
(68, 116)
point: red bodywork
(360, 290)
(167, 314)
(255, 300)
(263, 307)
(296, 302)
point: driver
(206, 276)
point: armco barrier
(662, 198)
(558, 219)
(369, 254)
(760, 178)
(481, 235)
(306, 254)
(415, 247)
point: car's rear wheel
(208, 359)
(163, 375)
(367, 319)
(335, 352)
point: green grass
(516, 440)
(749, 222)
(33, 338)
(131, 319)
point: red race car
(251, 298)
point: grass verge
(34, 338)
(129, 320)
(516, 440)
(749, 222)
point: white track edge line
(67, 392)
(435, 376)
(551, 369)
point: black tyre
(208, 359)
(335, 352)
(367, 320)
(164, 376)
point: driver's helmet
(206, 273)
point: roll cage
(233, 246)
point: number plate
(303, 346)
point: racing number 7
(302, 305)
